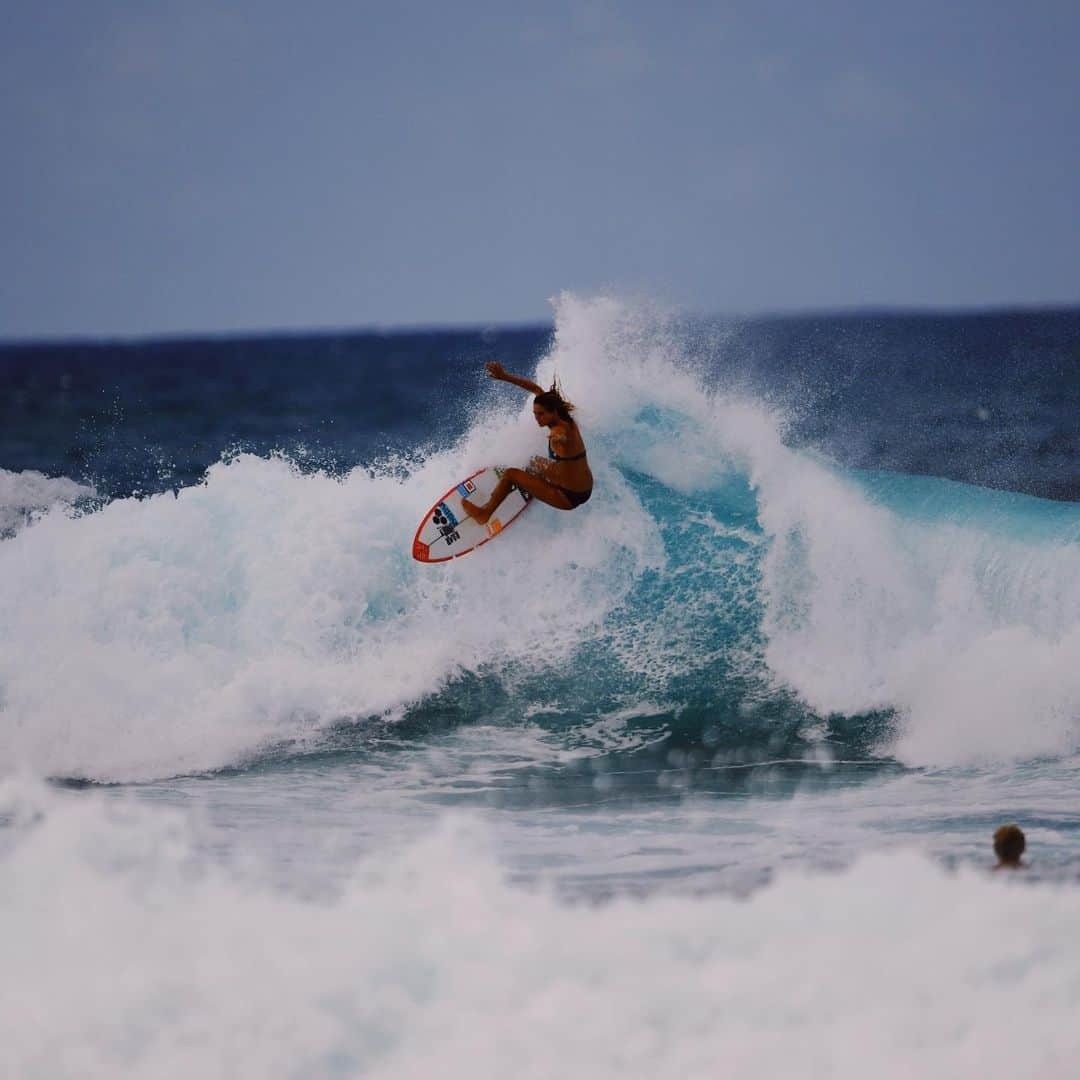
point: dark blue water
(989, 399)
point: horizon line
(858, 311)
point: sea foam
(24, 495)
(128, 954)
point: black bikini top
(555, 457)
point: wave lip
(958, 607)
(955, 607)
(24, 495)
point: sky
(178, 167)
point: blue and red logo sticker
(446, 522)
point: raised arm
(497, 371)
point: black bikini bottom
(575, 498)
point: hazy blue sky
(199, 166)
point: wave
(168, 965)
(715, 569)
(28, 494)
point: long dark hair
(553, 401)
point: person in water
(1009, 844)
(563, 480)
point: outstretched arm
(497, 371)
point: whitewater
(699, 778)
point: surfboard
(447, 532)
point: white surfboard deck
(447, 532)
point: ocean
(697, 780)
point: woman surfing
(563, 479)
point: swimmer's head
(549, 407)
(1009, 844)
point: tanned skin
(540, 478)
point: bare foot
(477, 513)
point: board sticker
(447, 524)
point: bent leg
(539, 488)
(517, 478)
(502, 489)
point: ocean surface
(697, 780)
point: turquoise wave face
(1006, 514)
(686, 672)
(670, 686)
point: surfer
(563, 479)
(1009, 844)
